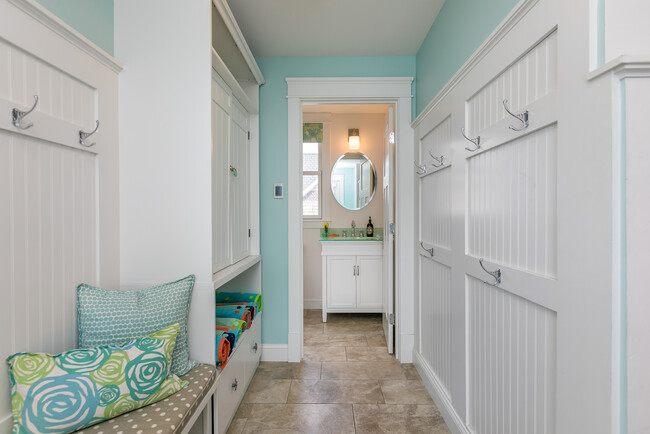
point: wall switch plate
(278, 191)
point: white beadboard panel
(512, 362)
(437, 142)
(435, 319)
(61, 96)
(531, 77)
(435, 208)
(48, 242)
(220, 174)
(238, 192)
(512, 203)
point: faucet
(354, 225)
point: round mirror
(353, 180)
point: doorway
(387, 91)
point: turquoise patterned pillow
(111, 317)
(79, 388)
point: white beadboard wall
(512, 362)
(527, 80)
(435, 221)
(435, 318)
(512, 203)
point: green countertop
(366, 239)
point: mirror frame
(374, 174)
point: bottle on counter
(369, 227)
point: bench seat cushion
(168, 416)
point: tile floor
(346, 383)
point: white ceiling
(306, 28)
(345, 108)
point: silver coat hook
(18, 115)
(523, 117)
(422, 170)
(84, 135)
(496, 274)
(439, 159)
(476, 141)
(429, 251)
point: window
(311, 180)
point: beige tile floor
(346, 383)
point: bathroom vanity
(352, 273)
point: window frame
(313, 222)
(319, 174)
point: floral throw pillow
(79, 388)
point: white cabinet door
(369, 281)
(220, 146)
(341, 282)
(238, 182)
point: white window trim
(315, 222)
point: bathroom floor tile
(307, 370)
(335, 392)
(336, 340)
(361, 371)
(236, 426)
(267, 391)
(311, 329)
(301, 418)
(376, 340)
(405, 392)
(410, 372)
(243, 411)
(358, 327)
(368, 354)
(323, 354)
(403, 419)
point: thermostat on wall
(278, 191)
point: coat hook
(422, 170)
(439, 159)
(523, 117)
(476, 141)
(84, 135)
(429, 251)
(496, 274)
(18, 115)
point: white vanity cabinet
(352, 273)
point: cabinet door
(341, 282)
(220, 147)
(369, 293)
(239, 182)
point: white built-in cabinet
(352, 273)
(230, 176)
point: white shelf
(224, 276)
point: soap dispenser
(369, 227)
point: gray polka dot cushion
(168, 416)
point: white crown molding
(58, 26)
(624, 66)
(237, 35)
(515, 15)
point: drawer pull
(234, 385)
(254, 348)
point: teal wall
(91, 18)
(460, 28)
(273, 167)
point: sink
(352, 239)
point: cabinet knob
(233, 171)
(234, 385)
(254, 347)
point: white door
(341, 282)
(369, 278)
(239, 182)
(388, 291)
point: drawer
(228, 397)
(253, 346)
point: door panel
(388, 270)
(341, 281)
(220, 173)
(369, 278)
(239, 192)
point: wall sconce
(353, 138)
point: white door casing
(388, 268)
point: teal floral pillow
(79, 388)
(112, 316)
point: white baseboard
(440, 397)
(274, 353)
(312, 303)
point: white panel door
(220, 173)
(388, 269)
(341, 282)
(238, 180)
(369, 278)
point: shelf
(224, 276)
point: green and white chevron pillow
(79, 388)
